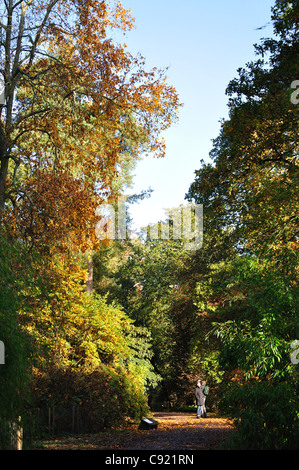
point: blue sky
(203, 43)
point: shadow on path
(176, 431)
(180, 431)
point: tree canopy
(97, 323)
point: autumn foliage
(79, 112)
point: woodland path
(176, 431)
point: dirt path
(180, 431)
(176, 431)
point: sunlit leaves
(249, 193)
(83, 105)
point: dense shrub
(266, 417)
(15, 372)
(92, 355)
(103, 398)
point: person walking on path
(200, 398)
(205, 390)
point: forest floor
(175, 431)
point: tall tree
(252, 182)
(79, 111)
(75, 102)
(250, 191)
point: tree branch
(39, 31)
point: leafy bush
(266, 417)
(92, 353)
(258, 316)
(15, 373)
(103, 398)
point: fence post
(73, 419)
(49, 419)
(16, 435)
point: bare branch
(40, 29)
(19, 40)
